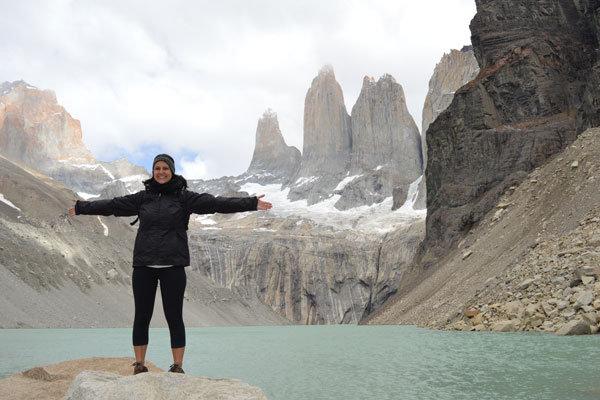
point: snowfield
(377, 218)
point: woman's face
(162, 173)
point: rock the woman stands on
(161, 249)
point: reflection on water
(345, 362)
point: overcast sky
(192, 78)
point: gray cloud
(193, 77)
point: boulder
(153, 385)
(584, 299)
(575, 327)
(514, 309)
(471, 313)
(478, 320)
(504, 326)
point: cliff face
(306, 273)
(383, 132)
(37, 131)
(452, 72)
(327, 140)
(535, 91)
(271, 154)
(386, 145)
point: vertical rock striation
(537, 88)
(272, 156)
(327, 140)
(306, 273)
(452, 72)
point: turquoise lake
(345, 362)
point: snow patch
(305, 179)
(264, 230)
(205, 220)
(6, 201)
(411, 198)
(377, 218)
(345, 182)
(104, 226)
(133, 178)
(87, 196)
(89, 166)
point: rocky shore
(554, 289)
(110, 378)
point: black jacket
(161, 238)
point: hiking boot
(176, 368)
(139, 368)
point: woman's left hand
(263, 205)
(72, 209)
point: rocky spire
(271, 154)
(386, 145)
(383, 131)
(327, 138)
(454, 70)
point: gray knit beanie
(166, 158)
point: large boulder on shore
(575, 327)
(155, 385)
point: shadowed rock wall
(536, 90)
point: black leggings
(172, 286)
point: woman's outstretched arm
(123, 206)
(205, 203)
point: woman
(161, 247)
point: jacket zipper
(159, 216)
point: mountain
(356, 160)
(334, 266)
(272, 157)
(37, 131)
(529, 265)
(58, 271)
(534, 94)
(454, 70)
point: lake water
(345, 362)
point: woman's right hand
(72, 209)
